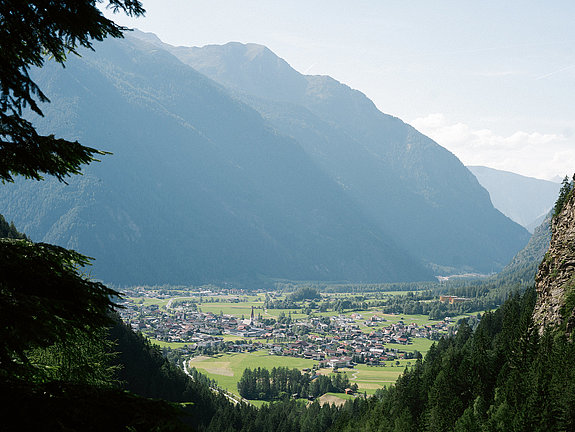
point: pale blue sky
(492, 81)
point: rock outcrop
(555, 281)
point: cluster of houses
(339, 341)
(452, 299)
(343, 343)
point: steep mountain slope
(413, 188)
(524, 265)
(555, 283)
(525, 200)
(198, 188)
(503, 376)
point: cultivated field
(227, 369)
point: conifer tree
(43, 296)
(564, 193)
(31, 32)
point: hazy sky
(492, 81)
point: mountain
(505, 375)
(208, 183)
(555, 282)
(526, 200)
(199, 187)
(523, 267)
(414, 189)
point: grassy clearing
(172, 345)
(258, 403)
(420, 344)
(371, 378)
(227, 369)
(230, 308)
(421, 320)
(334, 398)
(147, 301)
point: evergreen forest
(67, 362)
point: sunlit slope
(412, 187)
(199, 188)
(526, 200)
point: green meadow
(420, 344)
(227, 369)
(231, 308)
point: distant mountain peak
(146, 36)
(526, 200)
(396, 174)
(230, 165)
(248, 50)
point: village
(335, 341)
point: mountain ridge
(196, 180)
(365, 150)
(555, 281)
(205, 185)
(526, 200)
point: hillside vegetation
(419, 193)
(206, 186)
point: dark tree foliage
(503, 377)
(72, 407)
(43, 297)
(564, 194)
(304, 293)
(8, 230)
(283, 383)
(30, 32)
(146, 372)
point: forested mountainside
(198, 189)
(201, 188)
(525, 200)
(514, 373)
(516, 277)
(523, 267)
(503, 376)
(410, 186)
(556, 276)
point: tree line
(282, 383)
(502, 377)
(565, 192)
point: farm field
(420, 344)
(371, 378)
(227, 369)
(147, 301)
(231, 308)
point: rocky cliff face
(555, 281)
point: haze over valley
(230, 166)
(285, 217)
